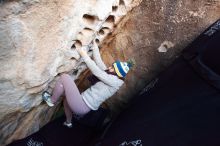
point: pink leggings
(73, 102)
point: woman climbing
(106, 81)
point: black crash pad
(55, 134)
(181, 107)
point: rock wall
(37, 43)
(154, 34)
(37, 40)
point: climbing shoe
(47, 98)
(69, 125)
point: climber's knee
(66, 78)
(64, 75)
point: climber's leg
(73, 96)
(57, 91)
(68, 111)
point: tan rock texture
(37, 40)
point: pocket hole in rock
(90, 51)
(110, 19)
(78, 44)
(97, 41)
(73, 46)
(121, 2)
(75, 72)
(87, 31)
(72, 58)
(89, 19)
(101, 32)
(114, 8)
(104, 31)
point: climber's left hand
(82, 51)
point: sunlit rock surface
(37, 40)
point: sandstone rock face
(37, 40)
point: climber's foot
(47, 98)
(69, 125)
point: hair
(93, 79)
(131, 62)
(114, 73)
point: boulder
(37, 43)
(153, 35)
(38, 39)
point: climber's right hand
(95, 45)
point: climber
(105, 82)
